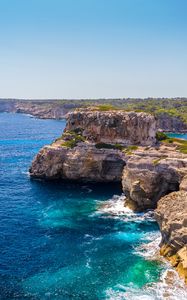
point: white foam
(115, 208)
(150, 250)
(170, 287)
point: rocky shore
(118, 146)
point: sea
(64, 241)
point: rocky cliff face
(153, 173)
(87, 151)
(57, 109)
(169, 123)
(128, 128)
(171, 215)
(82, 163)
(100, 147)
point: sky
(67, 49)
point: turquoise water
(65, 241)
(178, 135)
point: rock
(75, 156)
(169, 123)
(121, 127)
(183, 185)
(82, 163)
(151, 174)
(148, 173)
(171, 215)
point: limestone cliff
(153, 173)
(82, 163)
(91, 146)
(171, 215)
(115, 146)
(169, 123)
(116, 126)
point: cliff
(169, 123)
(171, 114)
(171, 215)
(153, 173)
(118, 146)
(94, 145)
(82, 163)
(128, 128)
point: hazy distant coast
(171, 114)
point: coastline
(129, 291)
(117, 146)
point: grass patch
(106, 107)
(129, 149)
(181, 144)
(69, 144)
(168, 141)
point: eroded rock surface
(151, 174)
(171, 215)
(100, 147)
(127, 128)
(82, 163)
(75, 156)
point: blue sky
(93, 48)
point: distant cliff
(39, 109)
(171, 114)
(170, 123)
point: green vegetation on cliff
(160, 107)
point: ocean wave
(149, 249)
(170, 287)
(115, 208)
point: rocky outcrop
(128, 128)
(171, 215)
(153, 173)
(183, 184)
(82, 163)
(81, 154)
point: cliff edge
(118, 146)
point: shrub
(105, 107)
(69, 144)
(161, 136)
(71, 139)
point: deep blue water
(56, 242)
